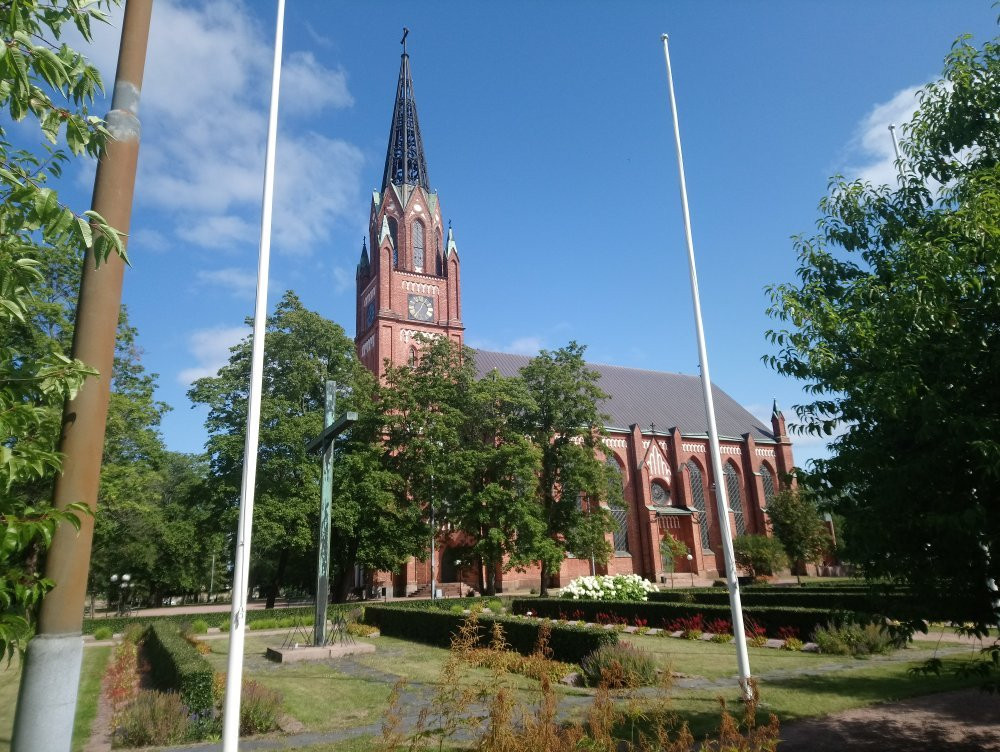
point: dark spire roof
(404, 159)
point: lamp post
(690, 558)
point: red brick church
(410, 284)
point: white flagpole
(237, 625)
(895, 149)
(722, 506)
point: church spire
(404, 159)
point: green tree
(566, 424)
(302, 351)
(53, 85)
(497, 508)
(759, 554)
(374, 523)
(796, 522)
(894, 325)
(672, 549)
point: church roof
(667, 399)
(404, 158)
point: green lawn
(91, 672)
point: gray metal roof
(667, 399)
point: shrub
(722, 637)
(792, 643)
(259, 708)
(176, 665)
(619, 666)
(153, 718)
(759, 554)
(104, 633)
(569, 643)
(495, 605)
(457, 610)
(360, 630)
(850, 638)
(199, 626)
(620, 587)
(771, 618)
(757, 641)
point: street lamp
(124, 583)
(690, 558)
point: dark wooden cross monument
(324, 444)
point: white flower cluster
(619, 587)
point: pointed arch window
(698, 502)
(413, 357)
(735, 498)
(418, 246)
(616, 505)
(767, 480)
(394, 236)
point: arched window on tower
(413, 357)
(394, 235)
(735, 498)
(767, 480)
(418, 246)
(698, 502)
(617, 506)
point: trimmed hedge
(215, 618)
(771, 618)
(569, 643)
(175, 665)
(895, 605)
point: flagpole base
(46, 700)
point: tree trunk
(543, 586)
(279, 576)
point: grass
(94, 661)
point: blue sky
(546, 128)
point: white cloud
(237, 281)
(147, 240)
(220, 231)
(203, 111)
(306, 86)
(871, 148)
(529, 345)
(210, 348)
(343, 280)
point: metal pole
(326, 501)
(895, 149)
(211, 580)
(47, 696)
(742, 658)
(234, 674)
(433, 562)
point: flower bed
(619, 587)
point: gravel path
(967, 720)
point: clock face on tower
(370, 314)
(420, 308)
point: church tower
(408, 284)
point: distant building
(410, 284)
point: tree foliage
(894, 325)
(796, 522)
(52, 85)
(759, 554)
(302, 351)
(565, 423)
